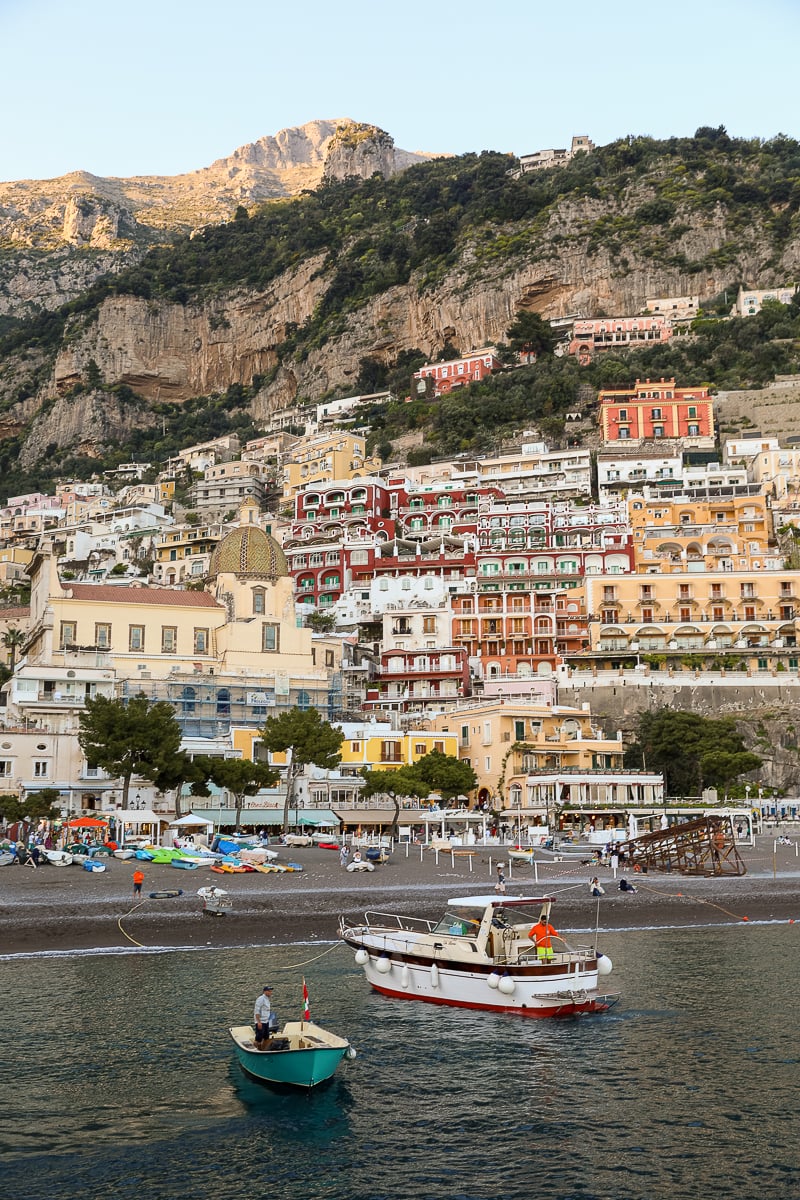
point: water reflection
(666, 1097)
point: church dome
(249, 551)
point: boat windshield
(457, 926)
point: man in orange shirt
(138, 880)
(541, 934)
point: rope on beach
(692, 900)
(294, 966)
(123, 917)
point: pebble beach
(69, 909)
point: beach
(63, 909)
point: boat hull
(534, 990)
(302, 1066)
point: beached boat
(94, 867)
(184, 864)
(58, 858)
(521, 856)
(124, 854)
(301, 1054)
(480, 955)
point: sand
(63, 909)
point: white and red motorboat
(480, 955)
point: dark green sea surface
(119, 1080)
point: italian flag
(306, 1009)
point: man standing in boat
(541, 934)
(261, 1017)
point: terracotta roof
(9, 614)
(108, 594)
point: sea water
(119, 1080)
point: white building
(750, 300)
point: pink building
(590, 337)
(459, 371)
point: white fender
(362, 957)
(507, 986)
(404, 976)
(434, 975)
(493, 980)
(384, 964)
(604, 964)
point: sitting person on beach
(595, 888)
(624, 886)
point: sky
(160, 87)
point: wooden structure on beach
(703, 846)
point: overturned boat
(482, 953)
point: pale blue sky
(165, 86)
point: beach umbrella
(86, 823)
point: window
(658, 431)
(655, 414)
(188, 696)
(6, 768)
(391, 751)
(201, 641)
(69, 632)
(223, 703)
(694, 431)
(429, 624)
(136, 637)
(624, 434)
(623, 414)
(259, 601)
(692, 410)
(102, 636)
(270, 638)
(420, 748)
(519, 731)
(169, 639)
(41, 769)
(329, 658)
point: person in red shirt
(138, 880)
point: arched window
(259, 601)
(303, 700)
(188, 696)
(223, 703)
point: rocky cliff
(58, 235)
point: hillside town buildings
(425, 608)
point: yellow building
(509, 742)
(369, 745)
(325, 457)
(747, 615)
(184, 552)
(729, 534)
(228, 654)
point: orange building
(657, 409)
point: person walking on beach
(138, 880)
(344, 854)
(500, 886)
(595, 888)
(261, 1017)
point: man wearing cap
(261, 1016)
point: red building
(656, 409)
(459, 372)
(413, 679)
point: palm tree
(12, 639)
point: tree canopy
(130, 738)
(693, 752)
(36, 806)
(305, 737)
(241, 777)
(434, 772)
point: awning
(138, 816)
(86, 823)
(190, 820)
(318, 818)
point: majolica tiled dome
(251, 552)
